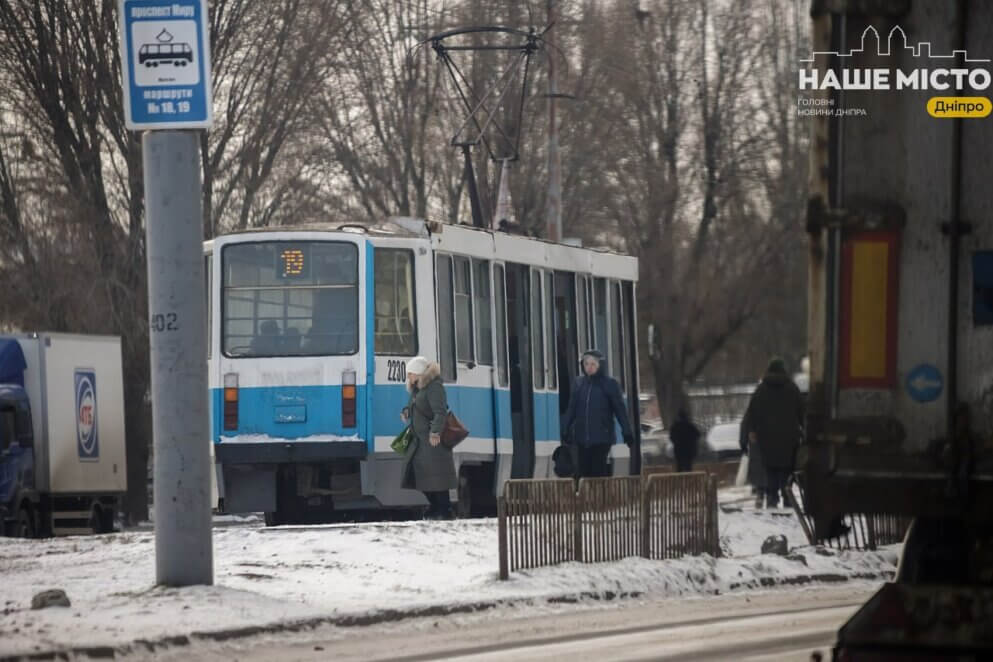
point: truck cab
(16, 460)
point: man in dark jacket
(774, 422)
(684, 436)
(589, 420)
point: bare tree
(71, 189)
(270, 61)
(64, 75)
(687, 175)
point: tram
(310, 329)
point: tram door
(519, 350)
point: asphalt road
(774, 625)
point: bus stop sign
(165, 60)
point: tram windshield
(283, 298)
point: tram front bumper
(288, 452)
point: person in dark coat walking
(588, 421)
(775, 424)
(685, 436)
(428, 465)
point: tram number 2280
(396, 371)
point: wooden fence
(545, 522)
(725, 471)
(536, 520)
(680, 515)
(609, 518)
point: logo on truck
(87, 440)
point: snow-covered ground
(338, 572)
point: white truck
(62, 450)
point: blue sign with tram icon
(166, 64)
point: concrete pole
(177, 324)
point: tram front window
(282, 298)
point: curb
(395, 615)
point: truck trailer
(900, 224)
(62, 450)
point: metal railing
(865, 531)
(546, 522)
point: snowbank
(267, 576)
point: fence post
(713, 530)
(577, 521)
(646, 515)
(870, 523)
(502, 536)
(800, 508)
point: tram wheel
(463, 508)
(24, 527)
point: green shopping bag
(401, 441)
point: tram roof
(401, 226)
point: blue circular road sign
(925, 383)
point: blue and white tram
(310, 329)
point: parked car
(655, 445)
(723, 441)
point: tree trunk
(137, 429)
(669, 391)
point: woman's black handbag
(564, 461)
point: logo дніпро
(87, 439)
(922, 70)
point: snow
(265, 576)
(266, 439)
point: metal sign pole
(177, 324)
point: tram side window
(537, 346)
(484, 326)
(617, 344)
(590, 319)
(600, 314)
(550, 335)
(463, 309)
(630, 363)
(583, 310)
(208, 276)
(396, 330)
(446, 317)
(499, 291)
